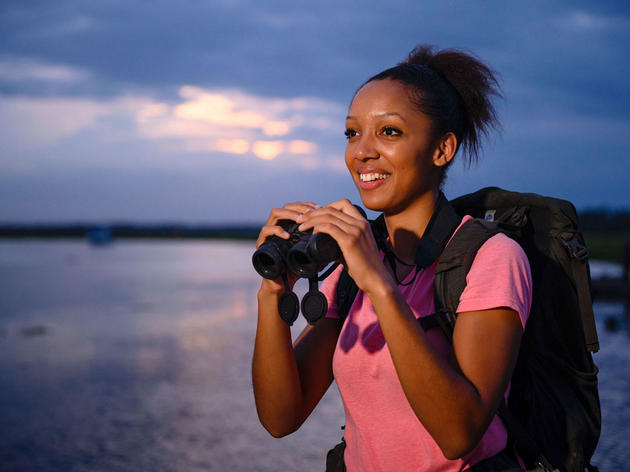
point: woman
(412, 400)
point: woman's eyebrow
(380, 115)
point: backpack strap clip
(446, 321)
(576, 248)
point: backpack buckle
(576, 248)
(445, 316)
(540, 467)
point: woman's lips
(372, 180)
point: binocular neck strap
(328, 271)
(438, 232)
(441, 227)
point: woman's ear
(445, 150)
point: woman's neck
(405, 228)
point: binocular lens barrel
(268, 261)
(307, 258)
(300, 260)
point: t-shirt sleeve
(500, 276)
(329, 289)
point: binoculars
(304, 254)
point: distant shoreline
(103, 233)
(604, 242)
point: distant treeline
(591, 221)
(101, 233)
(605, 221)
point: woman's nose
(365, 148)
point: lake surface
(136, 356)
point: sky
(214, 112)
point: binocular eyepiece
(304, 253)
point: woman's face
(390, 148)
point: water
(136, 356)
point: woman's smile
(371, 177)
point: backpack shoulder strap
(346, 293)
(453, 266)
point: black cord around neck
(391, 259)
(438, 232)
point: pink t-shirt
(382, 432)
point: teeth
(371, 177)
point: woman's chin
(372, 203)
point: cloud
(230, 146)
(200, 124)
(235, 122)
(267, 150)
(23, 69)
(302, 147)
(71, 25)
(36, 122)
(581, 20)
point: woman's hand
(290, 211)
(343, 222)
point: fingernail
(301, 227)
(300, 217)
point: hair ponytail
(455, 89)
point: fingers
(319, 221)
(347, 207)
(271, 230)
(342, 214)
(345, 229)
(343, 211)
(290, 211)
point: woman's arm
(454, 399)
(288, 380)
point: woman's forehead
(383, 97)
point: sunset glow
(232, 146)
(302, 147)
(267, 150)
(234, 122)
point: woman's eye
(390, 131)
(350, 133)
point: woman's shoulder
(500, 275)
(500, 246)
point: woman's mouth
(371, 180)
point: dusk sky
(217, 111)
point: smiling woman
(412, 400)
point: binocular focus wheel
(314, 306)
(288, 307)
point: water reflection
(136, 356)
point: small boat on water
(100, 236)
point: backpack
(553, 413)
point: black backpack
(553, 414)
